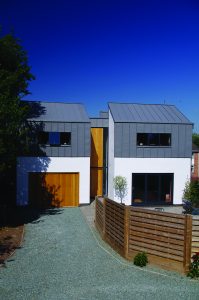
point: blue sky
(99, 51)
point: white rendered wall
(79, 165)
(110, 157)
(180, 167)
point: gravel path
(63, 258)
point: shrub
(191, 196)
(141, 259)
(194, 266)
(187, 206)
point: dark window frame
(54, 138)
(145, 192)
(153, 139)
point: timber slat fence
(168, 239)
(195, 235)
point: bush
(187, 206)
(191, 196)
(194, 266)
(141, 259)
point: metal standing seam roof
(147, 113)
(58, 112)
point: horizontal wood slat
(167, 219)
(156, 213)
(173, 236)
(153, 244)
(116, 230)
(157, 253)
(159, 238)
(156, 227)
(158, 222)
(195, 235)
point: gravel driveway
(63, 258)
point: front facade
(150, 145)
(78, 157)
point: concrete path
(63, 258)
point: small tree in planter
(120, 186)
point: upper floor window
(154, 139)
(55, 138)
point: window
(154, 139)
(152, 189)
(54, 138)
(65, 138)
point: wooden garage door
(54, 189)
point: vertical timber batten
(187, 242)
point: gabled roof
(57, 112)
(147, 113)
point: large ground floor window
(152, 189)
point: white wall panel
(57, 165)
(180, 167)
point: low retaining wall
(168, 239)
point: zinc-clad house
(59, 173)
(151, 146)
(77, 157)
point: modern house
(78, 157)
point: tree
(120, 186)
(14, 79)
(195, 138)
(191, 196)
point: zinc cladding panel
(80, 140)
(87, 138)
(74, 140)
(103, 114)
(126, 140)
(99, 122)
